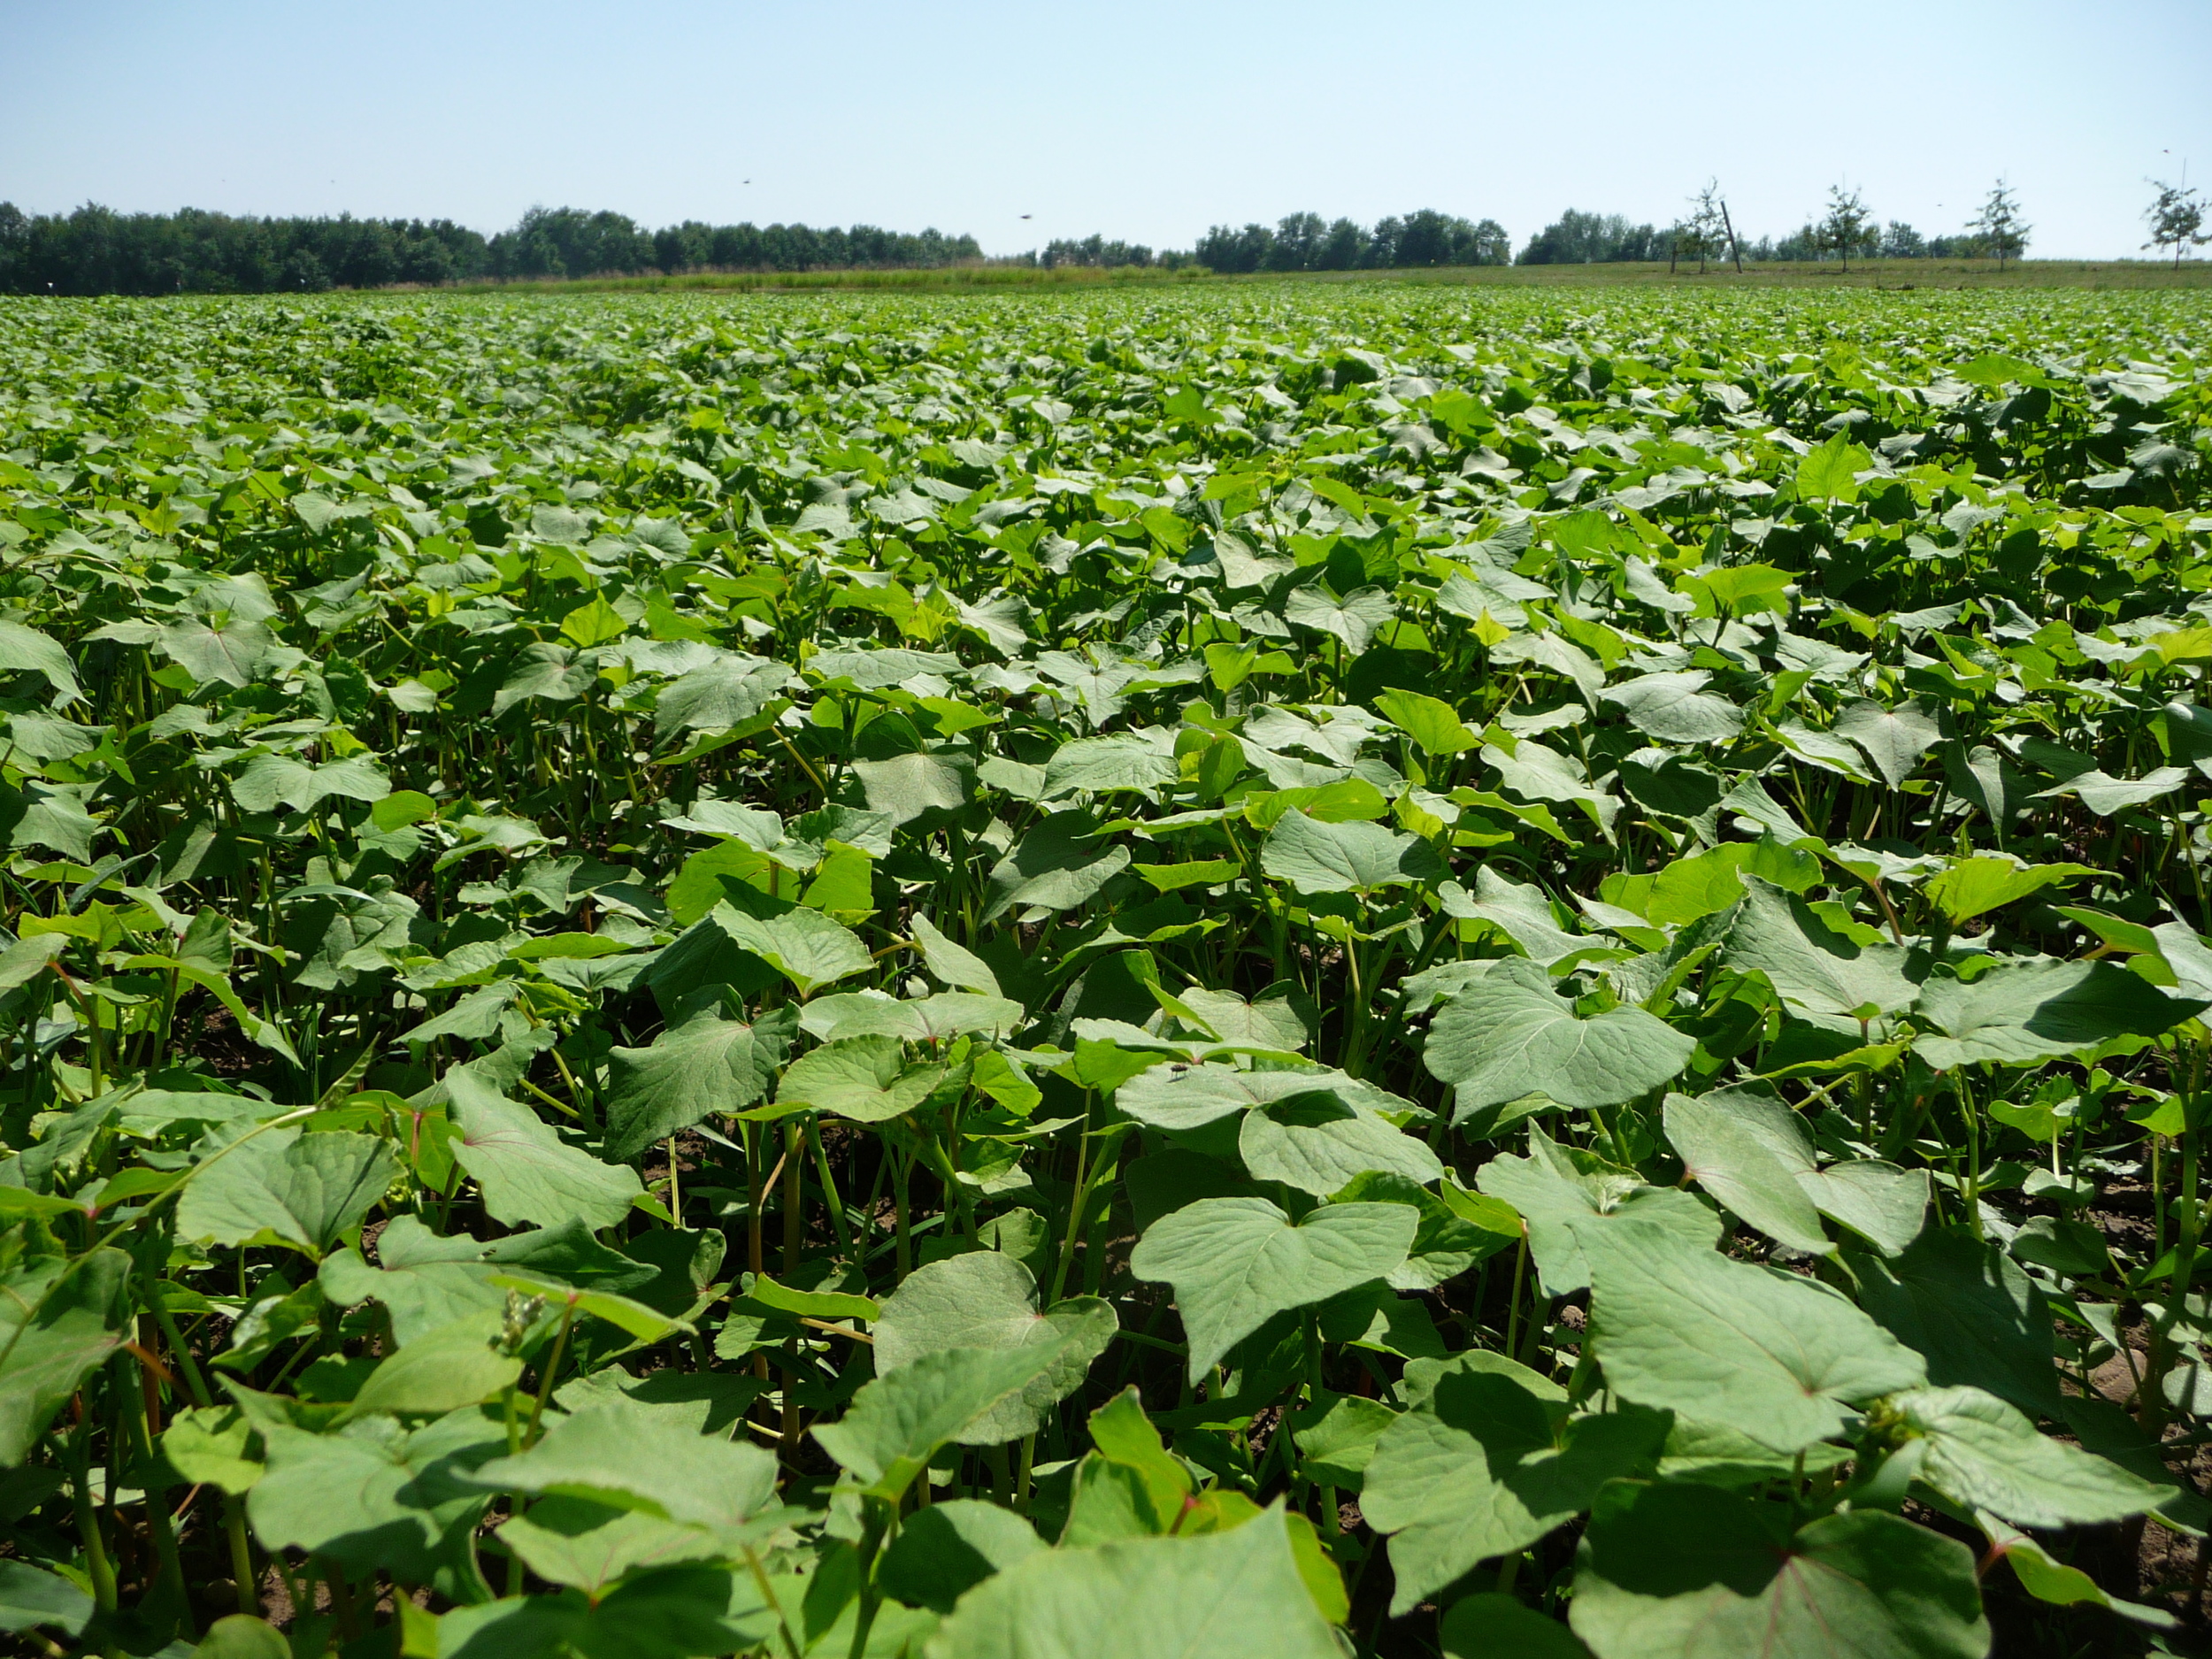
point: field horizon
(1894, 274)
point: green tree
(1999, 227)
(1844, 226)
(2177, 218)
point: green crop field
(1266, 969)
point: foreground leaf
(896, 1423)
(1681, 1571)
(59, 1321)
(1508, 1034)
(1780, 1357)
(1235, 1263)
(987, 1299)
(1486, 1468)
(1229, 1593)
(708, 1063)
(526, 1172)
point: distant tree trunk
(1734, 246)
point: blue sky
(1147, 121)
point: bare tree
(1999, 225)
(2176, 217)
(1844, 227)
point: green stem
(97, 1567)
(768, 1595)
(1076, 1204)
(1973, 1185)
(830, 1195)
(552, 1370)
(1513, 1305)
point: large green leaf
(1276, 1019)
(23, 649)
(60, 1322)
(1355, 620)
(708, 1063)
(590, 1546)
(372, 1496)
(1486, 1468)
(31, 1599)
(669, 1612)
(1235, 1263)
(2048, 1579)
(896, 1423)
(906, 787)
(1435, 726)
(526, 1171)
(1736, 1141)
(984, 1299)
(1679, 1572)
(1981, 1453)
(2105, 795)
(1557, 1188)
(425, 1281)
(236, 653)
(2021, 1012)
(1971, 1312)
(1178, 1096)
(1495, 1626)
(1316, 856)
(273, 780)
(1827, 980)
(1234, 1593)
(300, 1189)
(1893, 739)
(1676, 708)
(804, 946)
(1780, 1357)
(1728, 1147)
(1523, 915)
(1831, 471)
(1319, 1143)
(723, 696)
(864, 1079)
(1058, 864)
(48, 815)
(460, 1363)
(947, 1549)
(1127, 761)
(1973, 886)
(624, 1454)
(1508, 1034)
(211, 1445)
(1458, 1228)
(954, 964)
(936, 1018)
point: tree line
(96, 250)
(1845, 229)
(1306, 241)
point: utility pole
(1734, 246)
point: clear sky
(1147, 121)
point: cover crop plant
(1367, 969)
